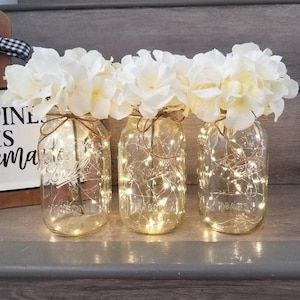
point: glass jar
(75, 165)
(233, 177)
(152, 173)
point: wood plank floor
(150, 289)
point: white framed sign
(19, 134)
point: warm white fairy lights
(228, 92)
(152, 179)
(232, 178)
(75, 171)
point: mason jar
(75, 165)
(233, 177)
(152, 181)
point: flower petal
(101, 108)
(121, 111)
(208, 111)
(239, 117)
(293, 88)
(244, 48)
(277, 108)
(207, 93)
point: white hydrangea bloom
(181, 65)
(92, 85)
(205, 77)
(151, 83)
(80, 82)
(121, 104)
(244, 85)
(40, 84)
(255, 83)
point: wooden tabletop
(282, 223)
(29, 250)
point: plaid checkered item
(15, 48)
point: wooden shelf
(29, 250)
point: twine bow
(174, 115)
(63, 118)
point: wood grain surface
(187, 30)
(281, 223)
(150, 289)
(5, 31)
(19, 198)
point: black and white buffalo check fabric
(16, 48)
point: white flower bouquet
(241, 86)
(155, 89)
(79, 82)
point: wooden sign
(19, 133)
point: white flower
(205, 77)
(150, 83)
(121, 102)
(181, 65)
(255, 83)
(39, 84)
(80, 82)
(246, 84)
(93, 61)
(92, 87)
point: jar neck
(220, 125)
(175, 113)
(55, 113)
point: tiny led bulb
(239, 151)
(76, 231)
(237, 174)
(207, 219)
(57, 228)
(178, 174)
(202, 130)
(238, 187)
(128, 191)
(166, 185)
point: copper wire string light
(75, 168)
(232, 177)
(152, 175)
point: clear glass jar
(233, 177)
(152, 174)
(75, 166)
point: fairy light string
(74, 165)
(152, 172)
(232, 176)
